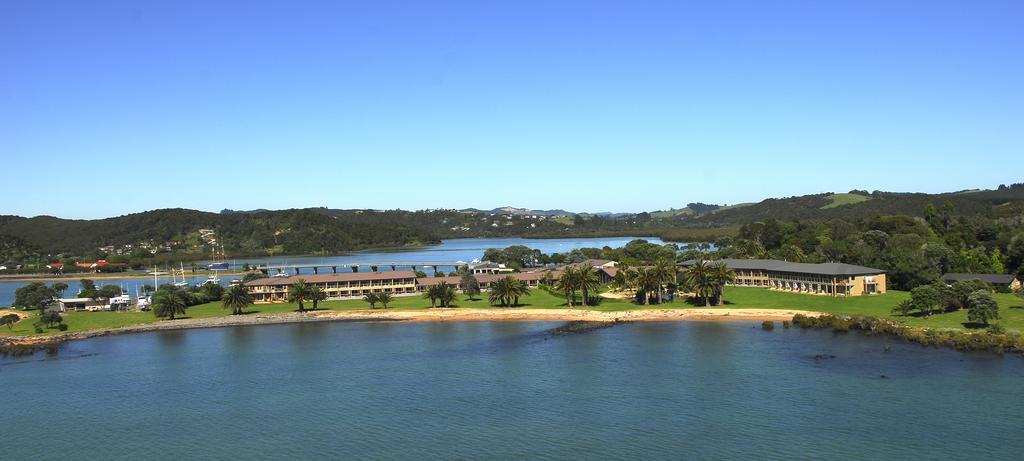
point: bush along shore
(981, 340)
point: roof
(488, 278)
(341, 277)
(1001, 279)
(75, 300)
(798, 268)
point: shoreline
(428, 315)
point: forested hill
(331, 231)
(287, 231)
(862, 205)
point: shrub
(767, 325)
(62, 327)
(996, 329)
(785, 324)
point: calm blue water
(449, 250)
(490, 390)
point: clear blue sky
(111, 107)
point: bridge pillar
(355, 268)
(393, 268)
(334, 269)
(373, 268)
(435, 269)
(316, 270)
(296, 270)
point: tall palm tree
(299, 293)
(432, 294)
(700, 281)
(721, 276)
(237, 299)
(644, 281)
(568, 283)
(519, 289)
(587, 281)
(316, 294)
(169, 302)
(445, 294)
(384, 298)
(665, 273)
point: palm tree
(665, 273)
(519, 288)
(721, 276)
(169, 302)
(507, 291)
(384, 298)
(298, 293)
(568, 283)
(237, 299)
(432, 295)
(316, 294)
(587, 282)
(644, 281)
(445, 293)
(699, 280)
(372, 298)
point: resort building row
(827, 279)
(830, 279)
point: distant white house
(77, 304)
(487, 267)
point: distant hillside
(858, 204)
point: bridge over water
(356, 267)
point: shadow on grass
(974, 325)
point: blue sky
(112, 107)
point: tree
(507, 291)
(250, 276)
(701, 281)
(237, 299)
(50, 318)
(109, 291)
(445, 294)
(212, 291)
(317, 294)
(147, 288)
(88, 289)
(169, 301)
(665, 272)
(961, 291)
(59, 288)
(587, 282)
(982, 307)
(35, 295)
(904, 307)
(568, 283)
(384, 298)
(9, 320)
(470, 285)
(372, 298)
(298, 293)
(431, 294)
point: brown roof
(487, 278)
(342, 277)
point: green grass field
(1011, 309)
(839, 200)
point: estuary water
(453, 250)
(508, 390)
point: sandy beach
(426, 315)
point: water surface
(499, 390)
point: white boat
(180, 283)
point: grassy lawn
(1011, 309)
(839, 200)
